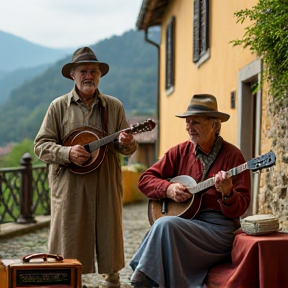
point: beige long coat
(86, 209)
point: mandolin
(93, 141)
(189, 208)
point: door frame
(247, 75)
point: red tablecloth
(257, 262)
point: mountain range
(26, 91)
(22, 60)
(18, 53)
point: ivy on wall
(267, 35)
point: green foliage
(13, 158)
(138, 167)
(267, 36)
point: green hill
(9, 80)
(132, 79)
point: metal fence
(24, 192)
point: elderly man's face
(201, 130)
(86, 78)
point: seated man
(178, 252)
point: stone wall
(273, 186)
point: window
(170, 55)
(200, 30)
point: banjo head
(186, 180)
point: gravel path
(135, 225)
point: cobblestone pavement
(135, 224)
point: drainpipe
(158, 93)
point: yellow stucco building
(196, 56)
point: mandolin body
(82, 136)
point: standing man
(178, 252)
(86, 206)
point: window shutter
(204, 12)
(170, 54)
(200, 29)
(196, 32)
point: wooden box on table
(40, 270)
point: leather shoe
(140, 280)
(112, 280)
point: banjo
(189, 208)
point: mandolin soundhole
(86, 137)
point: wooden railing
(24, 192)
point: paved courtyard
(135, 225)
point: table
(256, 262)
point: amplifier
(40, 270)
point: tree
(13, 158)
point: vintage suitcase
(40, 270)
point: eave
(151, 13)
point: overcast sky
(68, 23)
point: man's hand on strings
(79, 155)
(125, 138)
(223, 183)
(178, 192)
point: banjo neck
(211, 181)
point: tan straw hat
(204, 105)
(81, 56)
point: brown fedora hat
(204, 105)
(81, 56)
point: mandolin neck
(103, 141)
